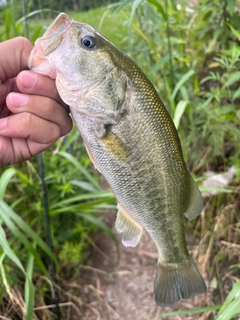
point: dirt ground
(125, 291)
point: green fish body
(132, 141)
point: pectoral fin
(115, 147)
(132, 231)
(196, 202)
(91, 157)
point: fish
(132, 141)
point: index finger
(14, 55)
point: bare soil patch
(125, 291)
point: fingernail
(18, 99)
(28, 79)
(3, 123)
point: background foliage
(190, 51)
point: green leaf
(83, 197)
(80, 167)
(135, 4)
(184, 79)
(83, 185)
(22, 238)
(234, 77)
(8, 251)
(215, 189)
(231, 310)
(29, 288)
(159, 7)
(15, 222)
(180, 108)
(4, 180)
(234, 32)
(236, 94)
(228, 307)
(92, 205)
(230, 6)
(4, 278)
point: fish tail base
(177, 282)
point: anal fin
(132, 231)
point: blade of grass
(228, 306)
(190, 312)
(8, 251)
(179, 111)
(83, 185)
(159, 7)
(135, 4)
(231, 310)
(80, 167)
(15, 222)
(93, 206)
(29, 288)
(21, 237)
(4, 279)
(234, 32)
(83, 197)
(183, 79)
(5, 179)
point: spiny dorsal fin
(196, 202)
(132, 231)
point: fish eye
(89, 42)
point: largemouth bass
(132, 141)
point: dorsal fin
(132, 231)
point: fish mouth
(53, 35)
(45, 45)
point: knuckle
(66, 126)
(29, 119)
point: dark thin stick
(45, 202)
(48, 233)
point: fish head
(86, 66)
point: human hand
(32, 115)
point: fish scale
(132, 141)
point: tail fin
(176, 282)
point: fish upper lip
(53, 35)
(62, 21)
